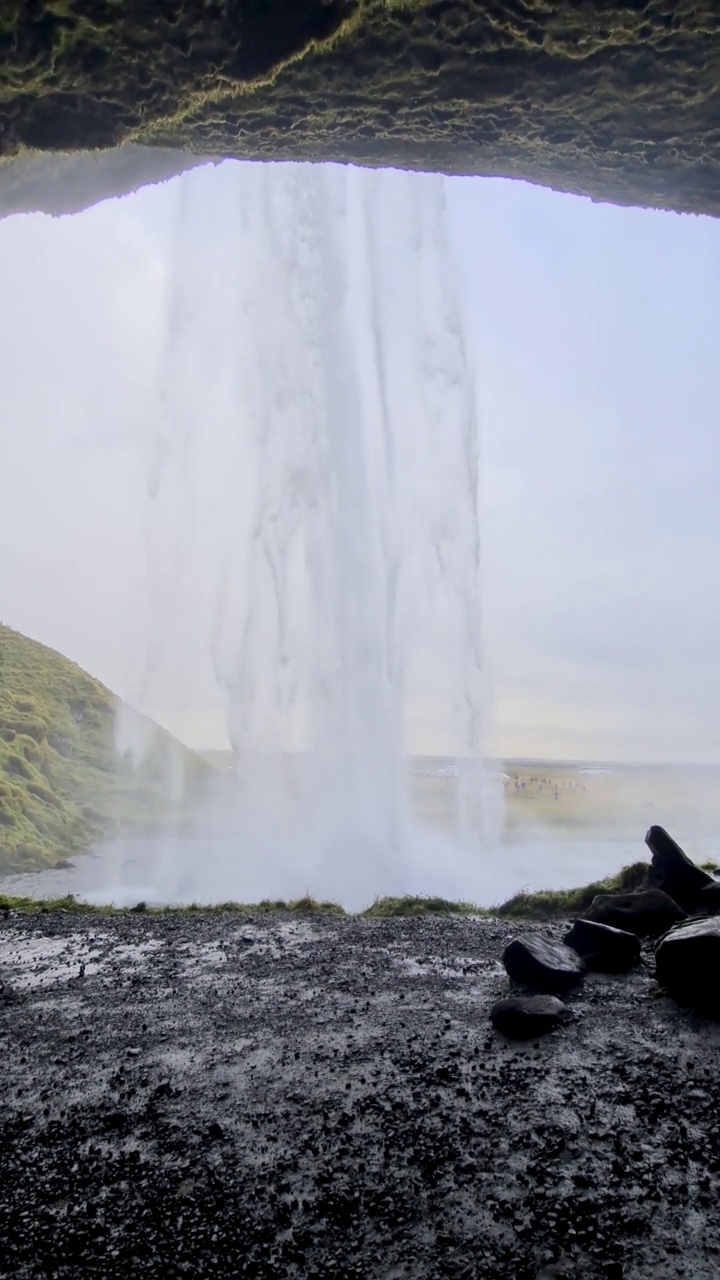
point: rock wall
(615, 99)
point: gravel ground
(223, 1096)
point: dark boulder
(672, 871)
(63, 864)
(708, 900)
(543, 965)
(687, 962)
(602, 947)
(647, 913)
(522, 1017)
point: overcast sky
(595, 338)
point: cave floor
(278, 1097)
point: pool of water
(220, 869)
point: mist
(327, 473)
(346, 469)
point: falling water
(340, 438)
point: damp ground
(203, 1095)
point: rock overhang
(615, 100)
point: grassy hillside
(63, 779)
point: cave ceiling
(616, 101)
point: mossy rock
(549, 903)
(607, 98)
(63, 783)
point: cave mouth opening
(586, 334)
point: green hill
(76, 763)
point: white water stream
(311, 475)
(340, 444)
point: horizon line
(493, 760)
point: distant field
(575, 798)
(617, 799)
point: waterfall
(345, 612)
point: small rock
(543, 965)
(687, 962)
(116, 1119)
(63, 864)
(602, 947)
(522, 1017)
(647, 913)
(672, 871)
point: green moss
(572, 902)
(410, 905)
(310, 906)
(67, 903)
(63, 784)
(300, 906)
(92, 72)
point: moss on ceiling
(616, 100)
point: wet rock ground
(209, 1095)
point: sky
(593, 334)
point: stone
(708, 900)
(687, 962)
(543, 965)
(672, 871)
(647, 913)
(63, 864)
(602, 947)
(523, 1017)
(607, 98)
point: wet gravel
(207, 1095)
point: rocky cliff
(613, 99)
